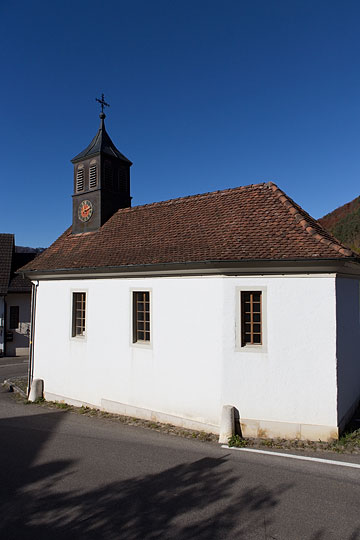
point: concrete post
(227, 424)
(36, 390)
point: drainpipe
(32, 335)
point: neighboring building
(171, 310)
(15, 294)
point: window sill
(142, 344)
(252, 349)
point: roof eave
(276, 266)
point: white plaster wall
(295, 380)
(20, 343)
(348, 343)
(193, 365)
(179, 373)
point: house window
(80, 179)
(14, 317)
(92, 176)
(78, 316)
(251, 318)
(141, 316)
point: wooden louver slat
(92, 176)
(80, 179)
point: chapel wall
(177, 374)
(194, 364)
(288, 387)
(348, 346)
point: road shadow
(187, 501)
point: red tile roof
(255, 222)
(10, 261)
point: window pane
(141, 313)
(251, 326)
(78, 314)
(14, 317)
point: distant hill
(344, 224)
(25, 249)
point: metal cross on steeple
(102, 102)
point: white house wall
(348, 346)
(194, 364)
(288, 389)
(177, 375)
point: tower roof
(101, 144)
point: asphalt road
(13, 366)
(64, 475)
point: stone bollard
(36, 390)
(227, 424)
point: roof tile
(255, 222)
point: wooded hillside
(344, 224)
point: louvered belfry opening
(80, 179)
(93, 176)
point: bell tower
(101, 181)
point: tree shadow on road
(190, 500)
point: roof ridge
(195, 196)
(301, 217)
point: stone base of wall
(156, 416)
(266, 429)
(138, 412)
(252, 428)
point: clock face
(85, 210)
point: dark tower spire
(101, 180)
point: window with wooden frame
(14, 317)
(251, 318)
(141, 316)
(78, 314)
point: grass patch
(237, 441)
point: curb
(13, 388)
(294, 456)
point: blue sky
(204, 95)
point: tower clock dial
(85, 210)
